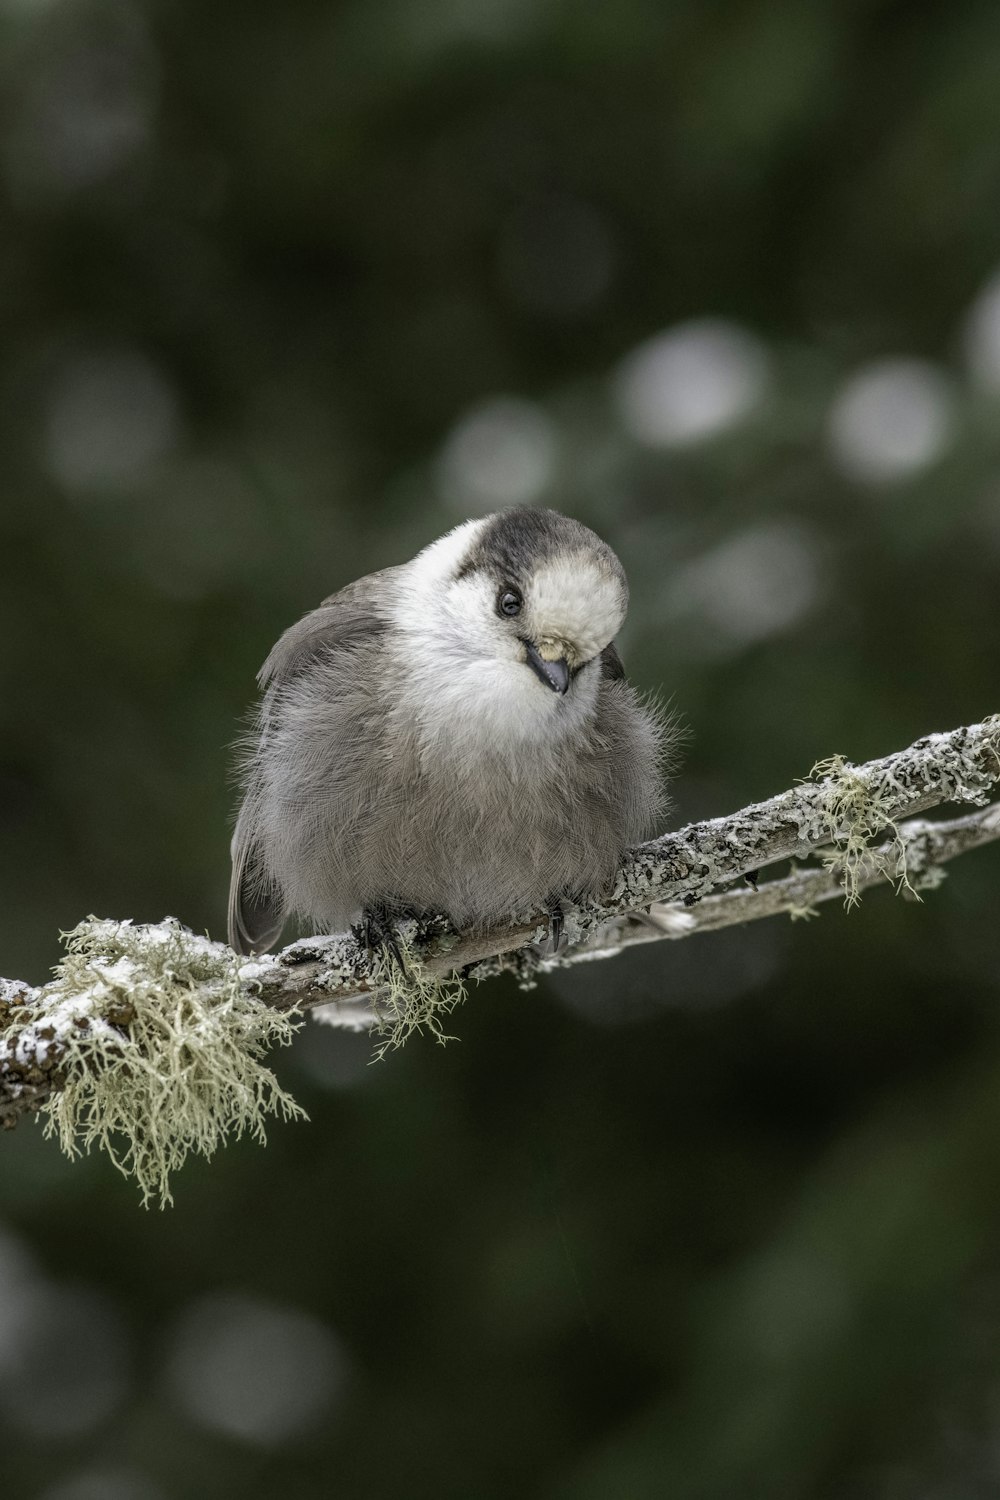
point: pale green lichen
(857, 810)
(161, 1046)
(409, 999)
(930, 879)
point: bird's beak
(555, 674)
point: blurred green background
(286, 291)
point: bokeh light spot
(690, 383)
(501, 453)
(65, 1366)
(753, 585)
(981, 337)
(254, 1371)
(891, 420)
(86, 108)
(110, 417)
(104, 1484)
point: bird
(453, 736)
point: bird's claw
(376, 933)
(557, 924)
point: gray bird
(455, 735)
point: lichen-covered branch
(147, 1044)
(926, 847)
(152, 1023)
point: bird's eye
(509, 602)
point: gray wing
(257, 907)
(345, 619)
(612, 666)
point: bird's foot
(557, 923)
(378, 934)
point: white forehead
(572, 597)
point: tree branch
(925, 846)
(672, 887)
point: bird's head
(524, 601)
